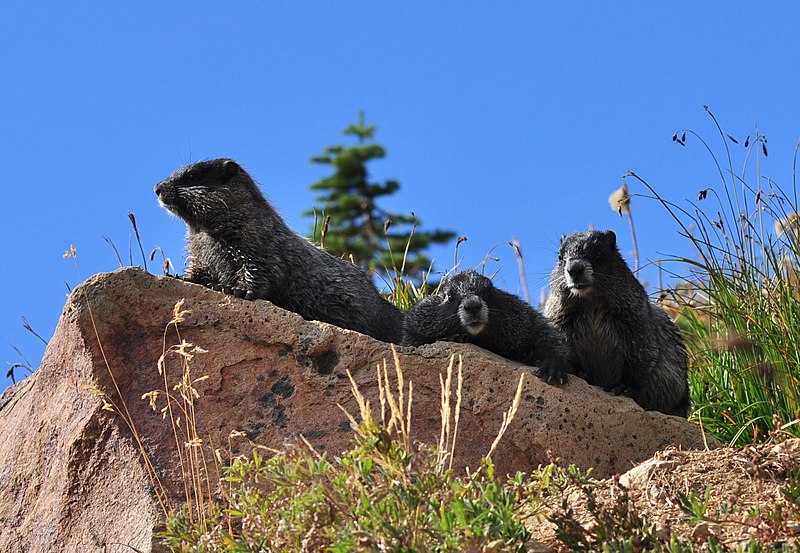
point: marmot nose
(575, 267)
(158, 188)
(472, 304)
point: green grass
(739, 299)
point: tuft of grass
(404, 290)
(379, 496)
(385, 494)
(739, 304)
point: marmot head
(203, 192)
(583, 258)
(466, 294)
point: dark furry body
(469, 308)
(238, 243)
(620, 340)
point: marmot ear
(230, 168)
(611, 239)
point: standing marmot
(238, 243)
(620, 340)
(468, 308)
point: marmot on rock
(468, 308)
(239, 244)
(620, 340)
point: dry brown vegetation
(721, 499)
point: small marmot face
(581, 257)
(198, 191)
(465, 292)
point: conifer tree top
(355, 225)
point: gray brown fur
(621, 341)
(239, 244)
(468, 308)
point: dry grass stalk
(405, 423)
(508, 416)
(179, 407)
(381, 393)
(521, 265)
(458, 409)
(444, 412)
(400, 409)
(363, 405)
(449, 431)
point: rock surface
(73, 475)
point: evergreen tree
(349, 222)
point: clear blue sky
(501, 120)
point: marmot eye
(560, 256)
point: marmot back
(620, 340)
(239, 244)
(468, 308)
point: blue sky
(501, 120)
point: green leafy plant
(694, 506)
(384, 494)
(792, 489)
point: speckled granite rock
(75, 475)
